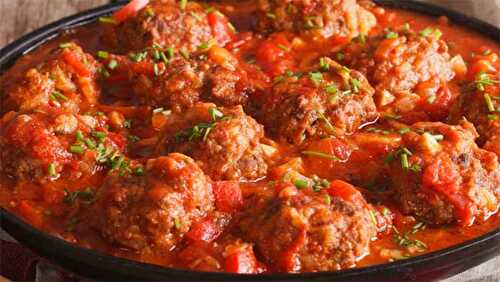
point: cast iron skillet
(92, 264)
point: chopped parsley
(310, 22)
(138, 57)
(283, 47)
(70, 197)
(206, 45)
(483, 80)
(139, 171)
(271, 16)
(156, 70)
(149, 13)
(320, 155)
(355, 85)
(319, 183)
(51, 169)
(107, 20)
(391, 35)
(301, 183)
(405, 241)
(323, 64)
(361, 38)
(102, 54)
(403, 154)
(112, 64)
(316, 78)
(328, 199)
(327, 122)
(65, 45)
(404, 130)
(184, 53)
(202, 129)
(373, 217)
(56, 95)
(489, 103)
(183, 4)
(426, 32)
(77, 149)
(177, 223)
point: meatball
(442, 177)
(225, 141)
(479, 102)
(317, 104)
(66, 81)
(166, 23)
(409, 73)
(213, 75)
(319, 18)
(41, 147)
(154, 210)
(305, 231)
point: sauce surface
(250, 138)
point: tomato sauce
(43, 205)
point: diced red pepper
(129, 10)
(205, 230)
(439, 108)
(220, 28)
(339, 40)
(273, 56)
(74, 60)
(118, 140)
(228, 196)
(241, 261)
(144, 67)
(346, 191)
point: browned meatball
(154, 210)
(225, 141)
(213, 75)
(480, 101)
(306, 231)
(319, 18)
(165, 23)
(442, 177)
(409, 73)
(317, 104)
(41, 146)
(66, 81)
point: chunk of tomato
(241, 261)
(273, 55)
(220, 28)
(74, 60)
(228, 196)
(129, 10)
(346, 191)
(205, 230)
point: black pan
(92, 264)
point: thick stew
(256, 136)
